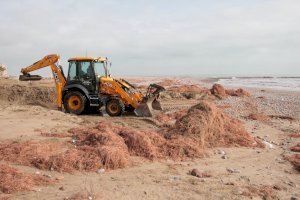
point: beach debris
(261, 97)
(238, 191)
(277, 187)
(168, 82)
(268, 145)
(87, 194)
(59, 178)
(263, 191)
(175, 178)
(232, 170)
(284, 117)
(171, 116)
(238, 93)
(188, 88)
(294, 160)
(73, 140)
(291, 183)
(218, 90)
(100, 171)
(211, 127)
(110, 146)
(294, 135)
(224, 157)
(199, 174)
(229, 183)
(279, 160)
(186, 91)
(12, 180)
(47, 175)
(51, 134)
(259, 117)
(3, 71)
(295, 148)
(246, 178)
(222, 152)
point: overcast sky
(156, 37)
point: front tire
(74, 102)
(114, 107)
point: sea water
(282, 83)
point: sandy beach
(230, 171)
(149, 100)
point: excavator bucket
(28, 77)
(156, 105)
(150, 102)
(145, 109)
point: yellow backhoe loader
(89, 86)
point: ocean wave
(290, 84)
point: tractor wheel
(74, 102)
(114, 107)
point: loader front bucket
(28, 77)
(145, 109)
(150, 101)
(156, 105)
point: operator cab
(86, 71)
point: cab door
(82, 73)
(86, 75)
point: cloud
(156, 37)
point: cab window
(98, 66)
(85, 70)
(72, 71)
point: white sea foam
(291, 84)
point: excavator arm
(44, 62)
(60, 79)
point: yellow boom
(57, 72)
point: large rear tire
(114, 107)
(75, 102)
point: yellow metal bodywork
(110, 86)
(88, 58)
(59, 78)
